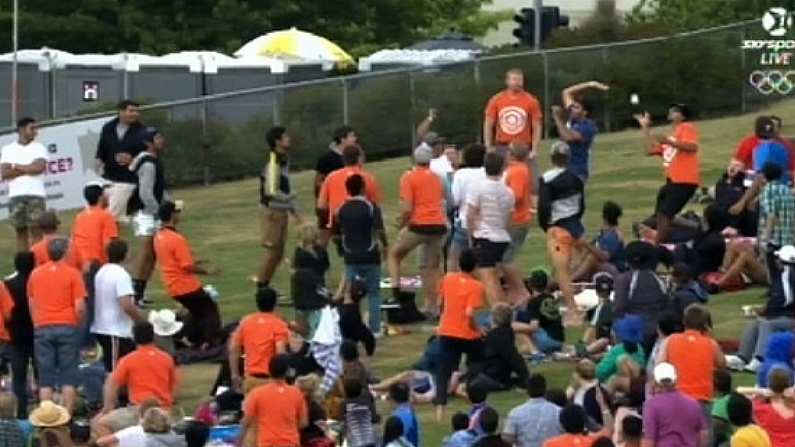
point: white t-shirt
(441, 166)
(495, 202)
(17, 154)
(462, 179)
(131, 437)
(111, 283)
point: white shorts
(118, 196)
(145, 225)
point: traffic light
(526, 18)
(551, 18)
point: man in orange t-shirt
(517, 176)
(179, 270)
(423, 223)
(56, 294)
(48, 224)
(461, 296)
(573, 421)
(333, 192)
(261, 336)
(94, 227)
(147, 373)
(277, 410)
(6, 305)
(680, 161)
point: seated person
(606, 253)
(626, 359)
(583, 391)
(640, 291)
(501, 365)
(685, 289)
(778, 355)
(777, 315)
(597, 335)
(709, 247)
(462, 436)
(729, 190)
(539, 325)
(721, 427)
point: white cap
(102, 183)
(665, 372)
(786, 254)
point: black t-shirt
(546, 309)
(710, 250)
(357, 221)
(328, 163)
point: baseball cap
(683, 108)
(664, 372)
(433, 138)
(559, 147)
(603, 282)
(786, 254)
(423, 154)
(150, 133)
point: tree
(681, 15)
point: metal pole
(345, 112)
(545, 65)
(539, 5)
(14, 66)
(413, 101)
(743, 105)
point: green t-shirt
(720, 410)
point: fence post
(743, 105)
(607, 123)
(345, 111)
(545, 64)
(476, 71)
(413, 98)
(205, 142)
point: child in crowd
(540, 323)
(721, 427)
(632, 429)
(352, 325)
(477, 393)
(308, 281)
(625, 360)
(462, 436)
(359, 415)
(596, 338)
(746, 434)
(489, 425)
(393, 433)
(352, 367)
(399, 394)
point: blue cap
(150, 133)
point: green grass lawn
(222, 224)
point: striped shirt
(777, 201)
(275, 189)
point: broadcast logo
(775, 54)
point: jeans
(57, 350)
(371, 275)
(21, 358)
(757, 333)
(92, 379)
(545, 343)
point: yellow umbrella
(294, 44)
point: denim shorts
(57, 350)
(518, 236)
(545, 343)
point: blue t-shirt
(771, 151)
(580, 162)
(411, 428)
(609, 241)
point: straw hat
(164, 322)
(49, 414)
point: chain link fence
(222, 137)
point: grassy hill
(222, 223)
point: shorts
(489, 253)
(673, 197)
(118, 196)
(121, 418)
(518, 236)
(145, 224)
(545, 343)
(422, 383)
(57, 350)
(274, 229)
(459, 240)
(562, 241)
(24, 210)
(430, 246)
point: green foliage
(694, 14)
(155, 26)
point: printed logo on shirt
(512, 120)
(668, 154)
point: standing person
(363, 240)
(331, 160)
(147, 373)
(671, 418)
(260, 336)
(771, 150)
(561, 205)
(680, 157)
(461, 295)
(517, 178)
(144, 204)
(514, 116)
(577, 129)
(115, 311)
(48, 223)
(776, 216)
(535, 421)
(490, 204)
(120, 141)
(277, 200)
(20, 327)
(423, 223)
(468, 175)
(56, 293)
(23, 163)
(179, 270)
(276, 411)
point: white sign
(71, 148)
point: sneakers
(735, 362)
(753, 366)
(535, 359)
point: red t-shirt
(747, 147)
(780, 429)
(513, 114)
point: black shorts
(488, 253)
(672, 197)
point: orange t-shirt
(680, 166)
(333, 192)
(258, 334)
(277, 409)
(40, 255)
(6, 304)
(54, 289)
(94, 227)
(174, 257)
(423, 191)
(460, 294)
(693, 355)
(514, 114)
(147, 372)
(569, 440)
(517, 177)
